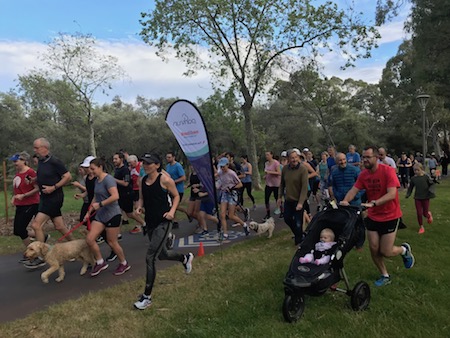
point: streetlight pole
(423, 101)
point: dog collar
(256, 228)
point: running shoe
(98, 268)
(408, 257)
(100, 240)
(170, 242)
(119, 237)
(430, 217)
(246, 230)
(112, 257)
(421, 230)
(136, 230)
(143, 302)
(188, 262)
(34, 264)
(204, 233)
(277, 211)
(121, 269)
(246, 214)
(23, 260)
(383, 280)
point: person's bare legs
(59, 224)
(136, 217)
(96, 229)
(223, 216)
(111, 235)
(38, 224)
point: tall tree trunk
(251, 145)
(91, 136)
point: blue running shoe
(408, 257)
(383, 280)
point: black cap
(150, 158)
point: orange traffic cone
(201, 250)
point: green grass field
(238, 292)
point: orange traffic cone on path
(201, 250)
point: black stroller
(315, 280)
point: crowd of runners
(144, 190)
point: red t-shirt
(134, 172)
(376, 185)
(21, 186)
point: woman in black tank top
(159, 197)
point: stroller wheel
(360, 297)
(293, 307)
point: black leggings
(157, 248)
(23, 217)
(248, 188)
(267, 192)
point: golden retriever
(260, 228)
(56, 255)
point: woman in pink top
(273, 179)
(25, 198)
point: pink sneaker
(421, 230)
(121, 269)
(430, 218)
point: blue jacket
(342, 180)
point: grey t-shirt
(105, 213)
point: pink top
(271, 179)
(21, 186)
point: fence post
(5, 190)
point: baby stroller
(315, 280)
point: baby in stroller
(319, 256)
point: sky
(26, 26)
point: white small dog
(260, 228)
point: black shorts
(135, 195)
(114, 222)
(51, 206)
(23, 217)
(126, 203)
(382, 228)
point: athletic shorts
(207, 207)
(382, 228)
(113, 222)
(126, 203)
(230, 198)
(135, 195)
(51, 206)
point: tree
(247, 40)
(76, 60)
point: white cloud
(392, 32)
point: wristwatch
(374, 203)
(100, 204)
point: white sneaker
(143, 302)
(188, 259)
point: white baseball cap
(87, 162)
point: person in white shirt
(384, 159)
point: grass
(238, 292)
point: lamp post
(423, 101)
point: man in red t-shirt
(381, 183)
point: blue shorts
(230, 198)
(207, 207)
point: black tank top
(156, 201)
(90, 187)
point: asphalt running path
(22, 291)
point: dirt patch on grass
(6, 229)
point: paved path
(22, 292)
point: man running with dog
(381, 184)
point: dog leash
(88, 224)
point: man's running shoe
(204, 233)
(136, 230)
(383, 280)
(34, 264)
(188, 262)
(98, 268)
(143, 302)
(246, 214)
(121, 269)
(408, 257)
(170, 242)
(112, 257)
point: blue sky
(27, 25)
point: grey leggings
(158, 248)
